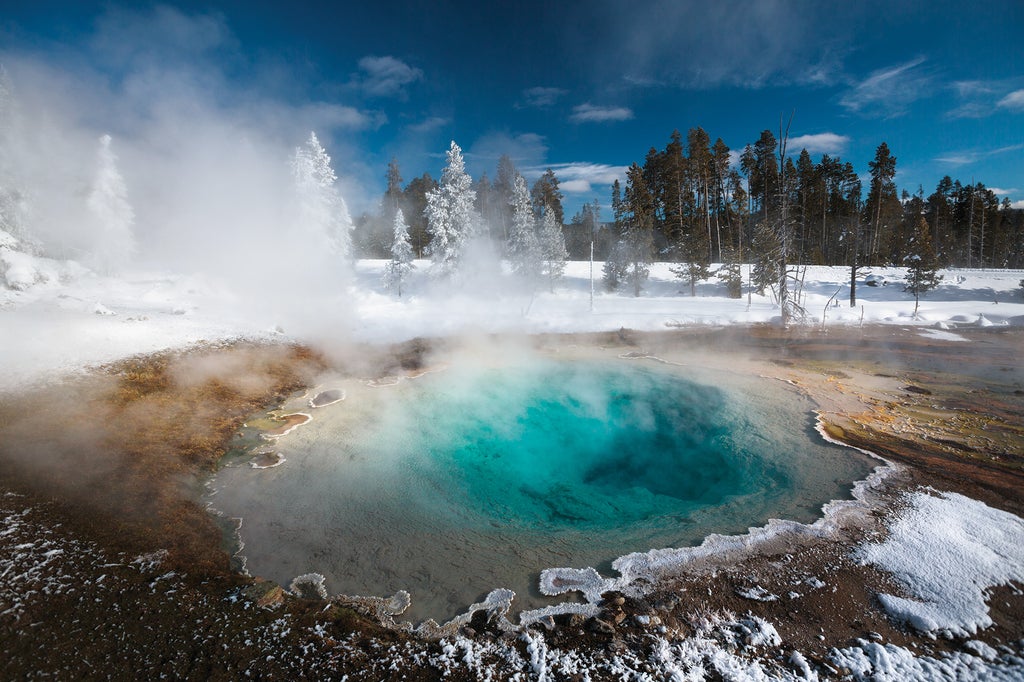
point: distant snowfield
(57, 317)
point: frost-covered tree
(451, 216)
(922, 264)
(112, 216)
(552, 247)
(524, 250)
(401, 255)
(321, 211)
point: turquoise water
(558, 446)
(484, 474)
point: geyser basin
(483, 474)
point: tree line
(688, 203)
(691, 205)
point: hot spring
(484, 473)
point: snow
(970, 548)
(47, 309)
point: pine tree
(546, 195)
(638, 230)
(922, 264)
(113, 217)
(523, 247)
(414, 202)
(393, 194)
(614, 270)
(450, 214)
(883, 210)
(322, 213)
(765, 271)
(401, 255)
(552, 245)
(731, 274)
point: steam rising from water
(202, 141)
(480, 476)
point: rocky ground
(110, 570)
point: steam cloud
(204, 162)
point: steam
(193, 174)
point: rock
(667, 602)
(264, 593)
(618, 617)
(576, 620)
(601, 626)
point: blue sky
(583, 87)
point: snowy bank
(948, 551)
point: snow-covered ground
(58, 316)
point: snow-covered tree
(524, 250)
(552, 247)
(401, 255)
(112, 215)
(922, 264)
(321, 211)
(451, 217)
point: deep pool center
(482, 474)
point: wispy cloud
(888, 92)
(429, 124)
(1017, 204)
(581, 177)
(591, 113)
(1013, 101)
(981, 98)
(541, 97)
(961, 158)
(1004, 192)
(820, 143)
(385, 76)
(765, 43)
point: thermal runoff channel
(483, 474)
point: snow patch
(948, 551)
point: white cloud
(1003, 192)
(541, 97)
(1014, 101)
(958, 159)
(590, 113)
(575, 186)
(1017, 204)
(581, 177)
(820, 143)
(385, 76)
(888, 92)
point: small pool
(483, 474)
